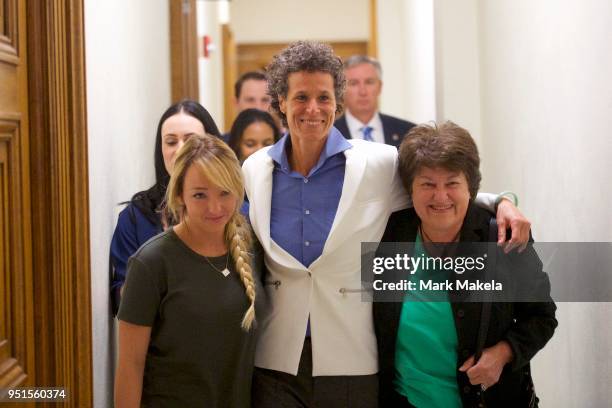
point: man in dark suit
(361, 119)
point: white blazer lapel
(356, 162)
(260, 198)
(260, 205)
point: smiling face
(310, 105)
(174, 133)
(440, 198)
(256, 136)
(363, 88)
(208, 208)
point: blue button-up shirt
(303, 208)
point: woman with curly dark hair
(314, 197)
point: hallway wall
(273, 21)
(546, 120)
(128, 87)
(407, 54)
(531, 81)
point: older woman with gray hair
(314, 197)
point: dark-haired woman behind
(252, 130)
(142, 219)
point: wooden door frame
(373, 26)
(184, 50)
(60, 198)
(230, 76)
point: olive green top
(198, 355)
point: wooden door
(17, 358)
(256, 56)
(184, 50)
(45, 310)
(230, 75)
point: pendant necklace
(225, 271)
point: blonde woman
(187, 315)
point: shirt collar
(335, 144)
(355, 124)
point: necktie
(367, 133)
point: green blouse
(426, 348)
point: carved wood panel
(45, 313)
(59, 184)
(17, 359)
(9, 29)
(16, 329)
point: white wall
(274, 21)
(406, 53)
(128, 87)
(531, 81)
(547, 115)
(458, 64)
(210, 69)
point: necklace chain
(225, 271)
(424, 234)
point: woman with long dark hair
(142, 218)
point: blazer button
(467, 389)
(460, 313)
(309, 273)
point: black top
(198, 353)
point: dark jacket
(526, 326)
(133, 229)
(394, 128)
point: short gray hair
(355, 60)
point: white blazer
(342, 332)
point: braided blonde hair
(238, 234)
(219, 164)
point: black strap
(485, 316)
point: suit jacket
(329, 290)
(526, 326)
(394, 128)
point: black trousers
(399, 401)
(275, 389)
